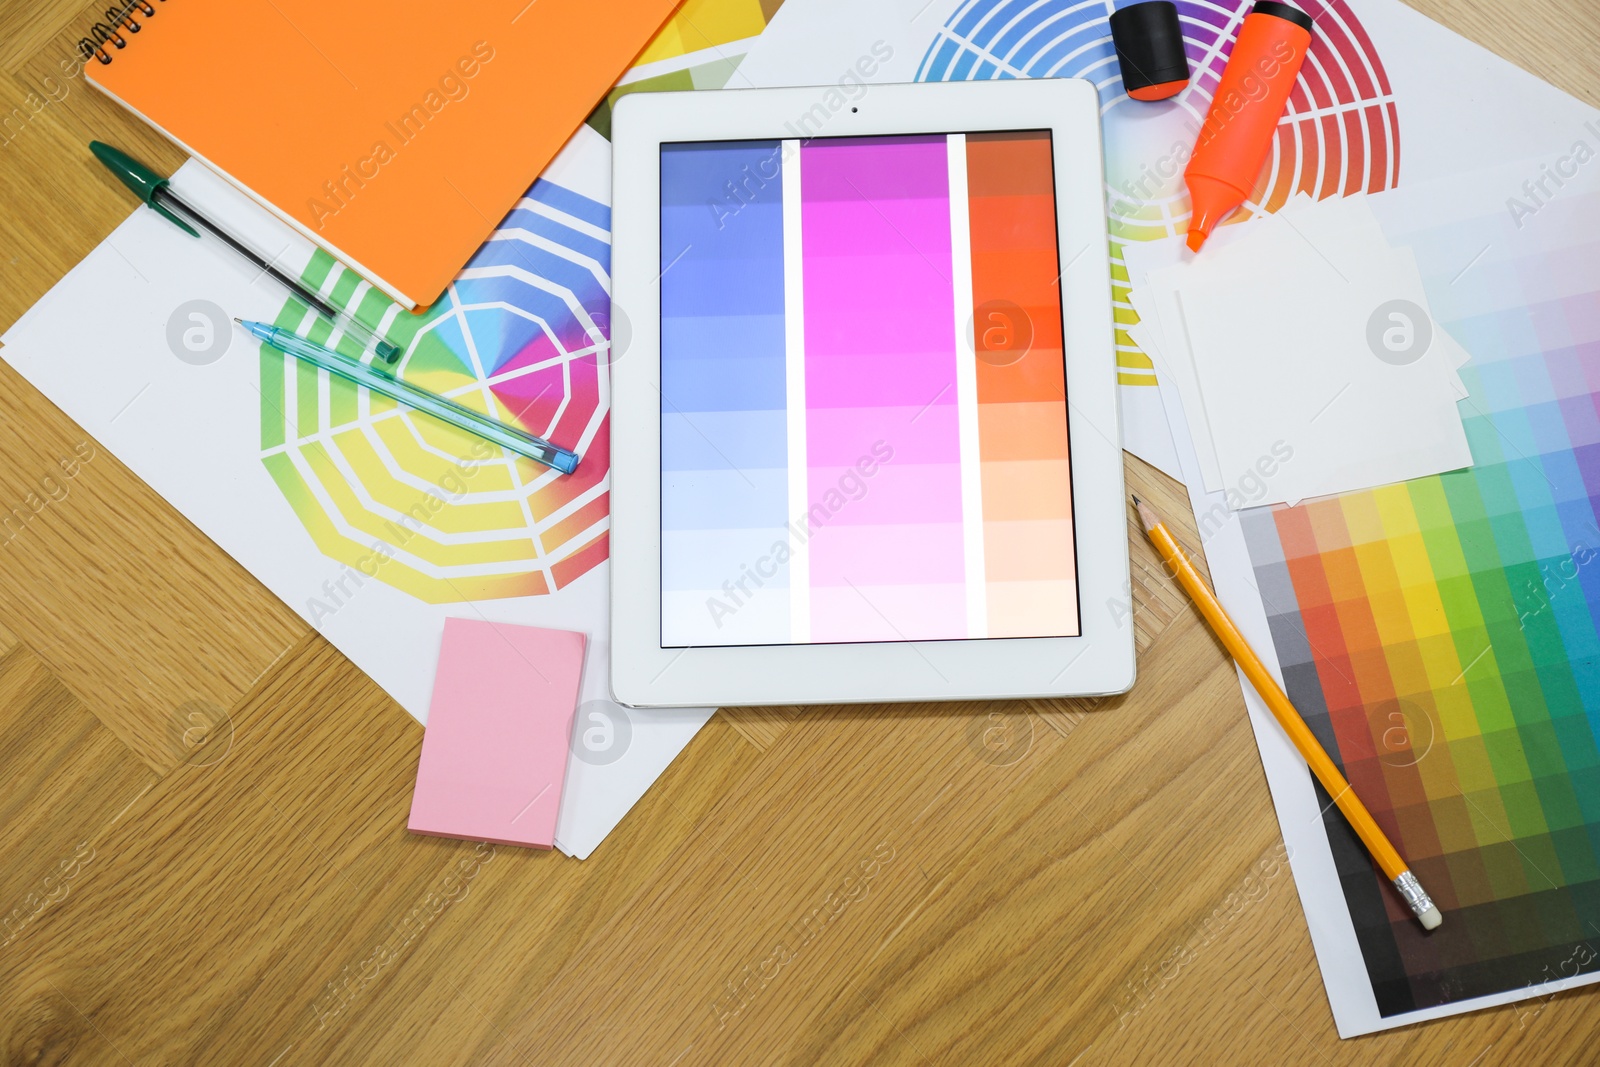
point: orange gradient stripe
(1029, 562)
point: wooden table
(1043, 883)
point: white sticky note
(1291, 381)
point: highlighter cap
(1283, 11)
(1149, 43)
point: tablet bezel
(643, 673)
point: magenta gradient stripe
(880, 366)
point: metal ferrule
(1414, 894)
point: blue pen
(446, 411)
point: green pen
(445, 410)
(152, 188)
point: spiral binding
(120, 17)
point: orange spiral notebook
(394, 135)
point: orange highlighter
(1249, 101)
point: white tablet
(865, 433)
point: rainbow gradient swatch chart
(864, 419)
(1442, 636)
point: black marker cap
(1283, 11)
(1149, 45)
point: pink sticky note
(495, 751)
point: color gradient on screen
(1442, 637)
(724, 460)
(1027, 483)
(845, 455)
(880, 366)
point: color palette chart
(1028, 554)
(429, 509)
(864, 427)
(1340, 133)
(700, 47)
(1442, 636)
(702, 24)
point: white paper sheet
(1343, 229)
(1295, 389)
(1155, 269)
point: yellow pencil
(1273, 695)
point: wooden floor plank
(137, 611)
(67, 781)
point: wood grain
(203, 856)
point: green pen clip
(144, 182)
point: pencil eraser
(1431, 918)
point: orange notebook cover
(394, 135)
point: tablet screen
(863, 398)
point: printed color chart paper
(700, 47)
(1442, 635)
(864, 432)
(516, 336)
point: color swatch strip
(846, 455)
(1027, 479)
(880, 365)
(724, 456)
(1442, 638)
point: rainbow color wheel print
(521, 334)
(1339, 136)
